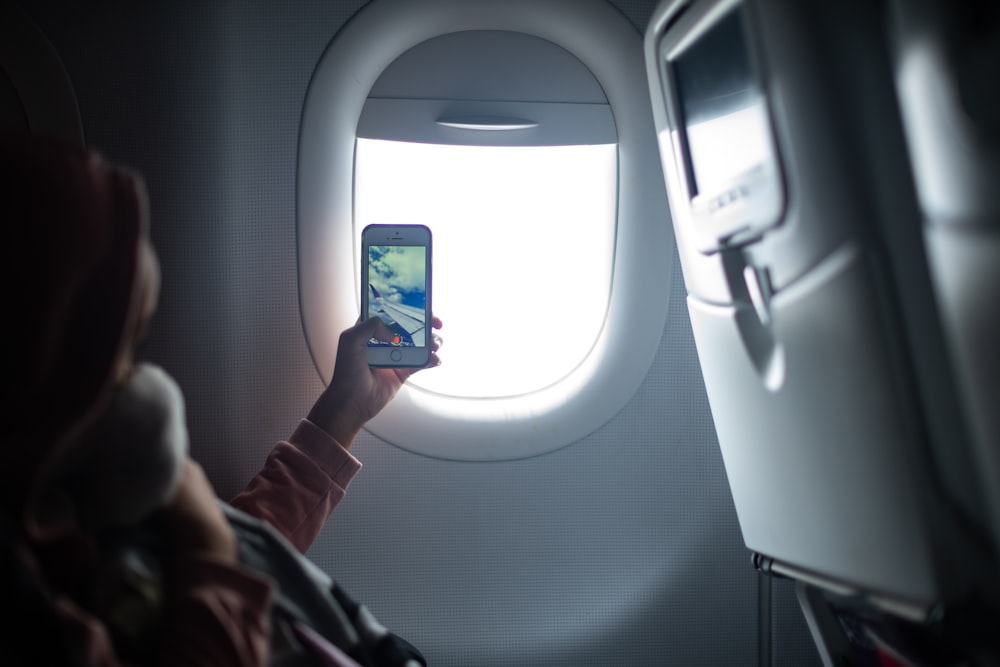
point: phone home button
(396, 355)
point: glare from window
(523, 249)
(729, 145)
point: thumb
(374, 327)
(355, 338)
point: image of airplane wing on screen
(407, 321)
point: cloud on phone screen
(397, 272)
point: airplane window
(523, 247)
(521, 133)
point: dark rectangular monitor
(721, 106)
(721, 128)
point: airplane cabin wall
(620, 549)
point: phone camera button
(396, 355)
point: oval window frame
(505, 428)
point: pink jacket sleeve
(303, 479)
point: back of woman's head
(74, 228)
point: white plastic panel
(845, 511)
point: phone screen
(397, 292)
(396, 275)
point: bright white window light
(523, 248)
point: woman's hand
(357, 391)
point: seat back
(817, 326)
(946, 56)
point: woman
(94, 442)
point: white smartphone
(396, 286)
